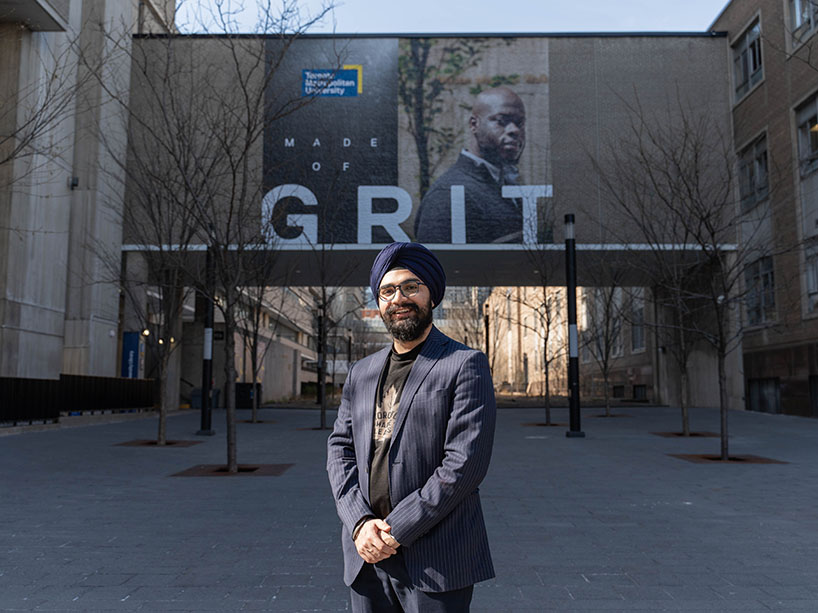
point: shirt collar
(508, 170)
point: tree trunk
(547, 397)
(685, 402)
(682, 360)
(254, 369)
(607, 398)
(171, 306)
(322, 374)
(161, 435)
(723, 402)
(254, 395)
(229, 391)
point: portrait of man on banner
(479, 139)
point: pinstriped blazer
(439, 454)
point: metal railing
(43, 400)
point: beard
(410, 328)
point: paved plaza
(610, 522)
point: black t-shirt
(390, 388)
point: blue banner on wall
(330, 83)
(131, 354)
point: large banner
(439, 140)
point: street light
(486, 328)
(573, 342)
(206, 428)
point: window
(615, 316)
(806, 117)
(747, 69)
(617, 346)
(812, 278)
(602, 308)
(803, 17)
(764, 395)
(287, 333)
(585, 346)
(753, 182)
(760, 291)
(638, 321)
(807, 120)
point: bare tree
(200, 107)
(494, 311)
(547, 305)
(256, 325)
(242, 100)
(669, 270)
(603, 307)
(676, 172)
(333, 307)
(147, 157)
(153, 284)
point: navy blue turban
(414, 257)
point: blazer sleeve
(342, 466)
(467, 450)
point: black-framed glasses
(407, 288)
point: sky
(484, 16)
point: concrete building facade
(59, 200)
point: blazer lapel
(364, 411)
(431, 352)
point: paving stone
(791, 605)
(606, 523)
(701, 594)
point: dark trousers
(385, 587)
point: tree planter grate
(535, 424)
(691, 435)
(153, 443)
(711, 458)
(245, 470)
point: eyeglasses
(407, 288)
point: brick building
(774, 95)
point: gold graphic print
(385, 415)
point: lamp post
(207, 352)
(573, 342)
(486, 328)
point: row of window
(753, 163)
(603, 315)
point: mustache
(390, 310)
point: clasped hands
(374, 543)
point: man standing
(497, 124)
(410, 446)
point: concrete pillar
(95, 230)
(34, 199)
